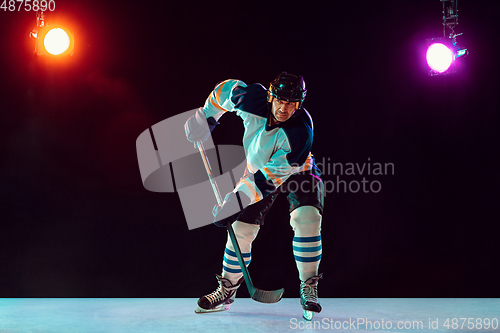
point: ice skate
(221, 298)
(309, 297)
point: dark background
(76, 220)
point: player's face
(283, 110)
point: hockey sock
(245, 234)
(307, 247)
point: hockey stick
(259, 295)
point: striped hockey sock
(231, 269)
(245, 234)
(307, 252)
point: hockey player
(277, 140)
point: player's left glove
(230, 209)
(198, 127)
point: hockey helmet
(288, 87)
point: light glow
(56, 41)
(439, 57)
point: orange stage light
(55, 41)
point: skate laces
(309, 292)
(309, 289)
(221, 293)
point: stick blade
(268, 296)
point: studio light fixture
(442, 52)
(52, 40)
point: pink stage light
(439, 57)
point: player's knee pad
(306, 219)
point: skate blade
(222, 307)
(308, 315)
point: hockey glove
(230, 209)
(198, 127)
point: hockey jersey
(273, 153)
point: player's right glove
(230, 209)
(198, 127)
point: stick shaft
(204, 156)
(241, 261)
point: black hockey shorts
(303, 189)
